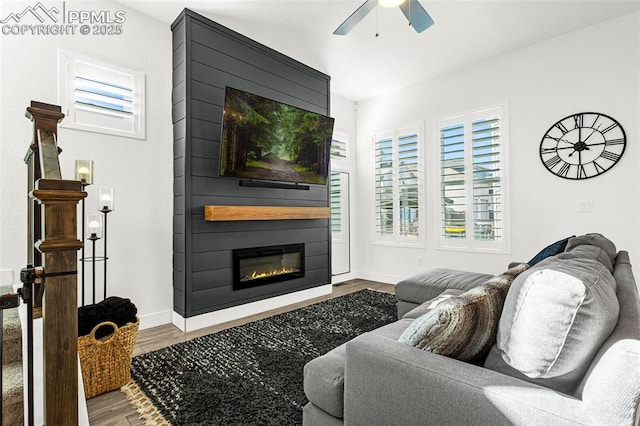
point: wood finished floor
(114, 409)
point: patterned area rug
(250, 374)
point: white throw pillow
(556, 316)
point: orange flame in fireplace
(277, 271)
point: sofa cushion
(611, 389)
(556, 316)
(425, 286)
(550, 250)
(430, 304)
(593, 246)
(588, 252)
(594, 239)
(324, 381)
(464, 326)
(324, 375)
(403, 307)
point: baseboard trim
(229, 314)
(155, 319)
(383, 278)
(337, 279)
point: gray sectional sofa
(567, 351)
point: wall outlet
(585, 206)
(420, 261)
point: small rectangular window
(100, 97)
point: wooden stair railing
(53, 239)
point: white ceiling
(362, 65)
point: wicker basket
(106, 362)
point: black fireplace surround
(264, 265)
(207, 57)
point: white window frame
(395, 238)
(72, 67)
(469, 243)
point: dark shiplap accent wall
(207, 57)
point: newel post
(59, 247)
(53, 239)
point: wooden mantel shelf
(237, 213)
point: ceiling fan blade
(416, 15)
(356, 17)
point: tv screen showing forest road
(263, 139)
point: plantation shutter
(336, 182)
(472, 180)
(103, 97)
(336, 204)
(487, 217)
(397, 176)
(453, 200)
(383, 164)
(338, 149)
(408, 189)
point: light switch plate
(585, 206)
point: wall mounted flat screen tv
(266, 140)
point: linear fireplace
(264, 265)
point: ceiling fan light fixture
(390, 3)
(418, 18)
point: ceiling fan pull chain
(377, 34)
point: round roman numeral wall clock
(582, 145)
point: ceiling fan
(418, 18)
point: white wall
(593, 69)
(140, 171)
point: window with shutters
(397, 180)
(100, 97)
(473, 207)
